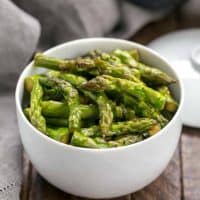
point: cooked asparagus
(60, 134)
(72, 101)
(81, 140)
(142, 92)
(105, 113)
(171, 104)
(149, 74)
(36, 117)
(143, 109)
(100, 99)
(135, 126)
(70, 65)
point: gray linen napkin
(10, 150)
(64, 20)
(61, 20)
(18, 39)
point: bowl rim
(75, 148)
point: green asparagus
(81, 140)
(58, 109)
(127, 139)
(142, 92)
(171, 104)
(98, 100)
(53, 121)
(149, 74)
(135, 126)
(36, 117)
(54, 109)
(29, 82)
(125, 57)
(119, 71)
(105, 113)
(142, 109)
(70, 65)
(72, 101)
(60, 134)
(50, 93)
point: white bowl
(100, 173)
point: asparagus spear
(81, 140)
(58, 109)
(97, 53)
(94, 53)
(50, 120)
(149, 74)
(105, 113)
(171, 104)
(71, 98)
(53, 118)
(142, 92)
(101, 67)
(53, 121)
(70, 65)
(154, 76)
(54, 109)
(142, 109)
(36, 117)
(113, 60)
(119, 71)
(29, 82)
(53, 93)
(74, 119)
(135, 126)
(84, 64)
(127, 139)
(75, 80)
(60, 134)
(78, 80)
(126, 57)
(122, 112)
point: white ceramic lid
(182, 49)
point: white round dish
(100, 173)
(180, 48)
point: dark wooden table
(180, 180)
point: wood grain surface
(180, 180)
(191, 163)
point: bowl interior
(81, 47)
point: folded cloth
(18, 39)
(64, 20)
(10, 150)
(61, 20)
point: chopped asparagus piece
(35, 116)
(142, 92)
(60, 134)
